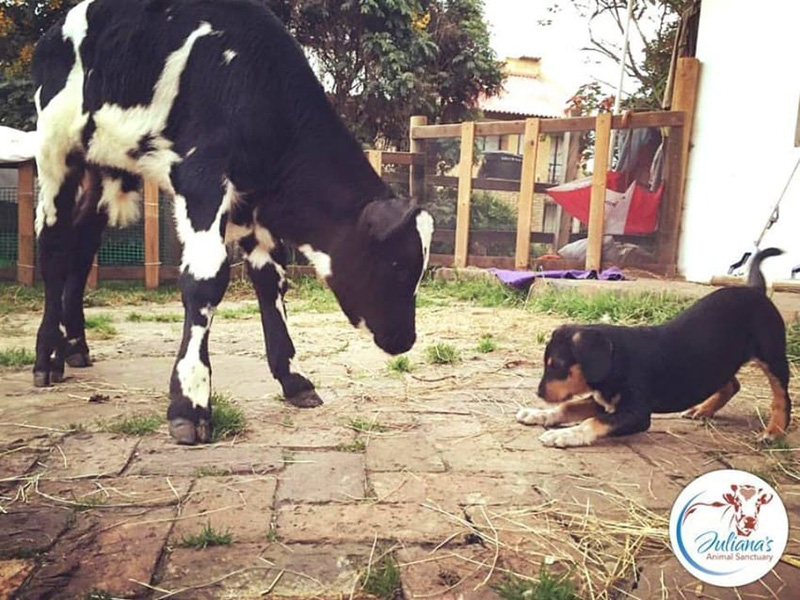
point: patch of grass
(89, 502)
(443, 354)
(793, 342)
(98, 595)
(101, 326)
(780, 444)
(363, 425)
(19, 298)
(309, 294)
(383, 579)
(244, 311)
(399, 364)
(607, 307)
(354, 446)
(227, 419)
(136, 424)
(541, 337)
(210, 472)
(481, 291)
(546, 587)
(118, 293)
(16, 357)
(206, 538)
(272, 534)
(135, 317)
(486, 344)
(76, 427)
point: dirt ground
(447, 483)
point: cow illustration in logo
(745, 501)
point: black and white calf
(216, 103)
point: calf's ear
(593, 351)
(381, 219)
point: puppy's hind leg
(709, 407)
(777, 372)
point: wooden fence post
(464, 193)
(526, 191)
(416, 173)
(26, 236)
(684, 98)
(594, 244)
(573, 141)
(375, 159)
(152, 264)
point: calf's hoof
(79, 360)
(187, 433)
(41, 378)
(56, 376)
(305, 399)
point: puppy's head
(576, 360)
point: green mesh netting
(8, 227)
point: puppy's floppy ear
(381, 219)
(593, 351)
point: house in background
(528, 93)
(745, 139)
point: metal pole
(618, 98)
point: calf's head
(375, 269)
(746, 501)
(576, 360)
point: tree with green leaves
(22, 23)
(385, 60)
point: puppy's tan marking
(709, 407)
(780, 409)
(585, 434)
(558, 390)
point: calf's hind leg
(266, 264)
(709, 407)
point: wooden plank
(791, 286)
(594, 249)
(500, 128)
(464, 193)
(416, 172)
(402, 158)
(489, 183)
(526, 191)
(684, 99)
(492, 236)
(669, 221)
(26, 236)
(152, 264)
(94, 275)
(564, 227)
(427, 132)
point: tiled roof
(527, 96)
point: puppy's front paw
(697, 412)
(569, 437)
(534, 416)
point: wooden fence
(676, 123)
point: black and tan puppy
(610, 379)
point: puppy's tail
(755, 279)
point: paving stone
(403, 452)
(241, 505)
(453, 489)
(678, 460)
(330, 523)
(115, 492)
(162, 457)
(447, 574)
(12, 574)
(287, 571)
(25, 531)
(15, 462)
(296, 436)
(322, 477)
(105, 552)
(88, 455)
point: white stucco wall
(743, 139)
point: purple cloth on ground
(522, 279)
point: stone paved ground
(446, 483)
